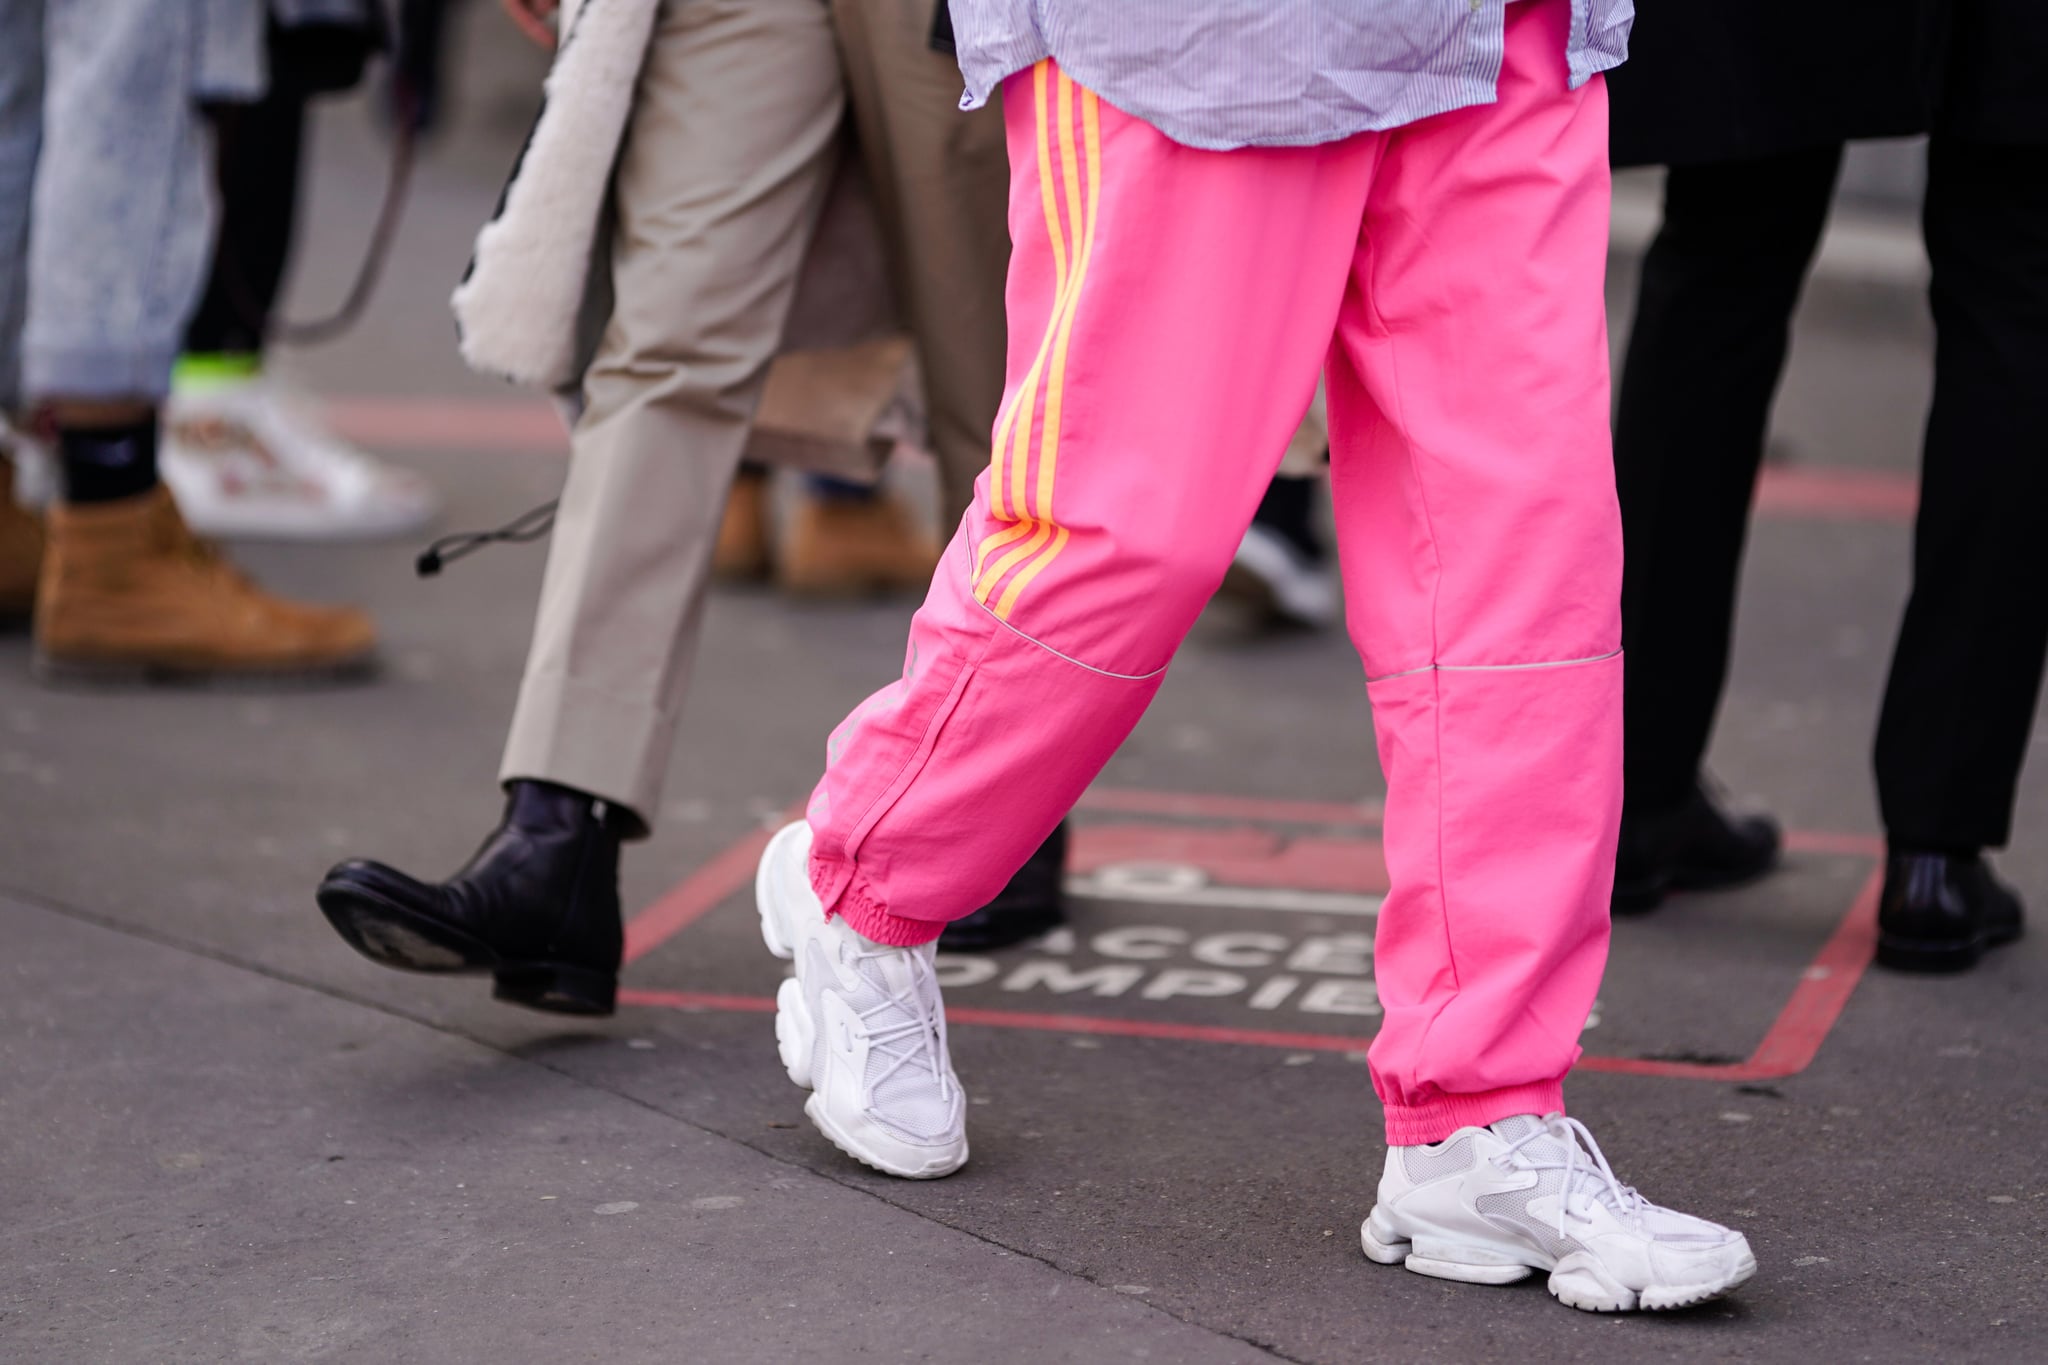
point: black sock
(534, 804)
(106, 464)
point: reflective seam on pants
(1493, 668)
(1068, 658)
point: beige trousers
(735, 136)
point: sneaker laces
(918, 1039)
(1583, 1163)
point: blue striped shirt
(1270, 73)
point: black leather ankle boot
(1696, 847)
(1940, 911)
(537, 906)
(1033, 903)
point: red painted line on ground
(687, 901)
(1789, 1046)
(1837, 494)
(1795, 1036)
(1827, 841)
(442, 424)
(1824, 988)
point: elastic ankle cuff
(850, 898)
(1433, 1120)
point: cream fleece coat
(517, 308)
(840, 395)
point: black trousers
(256, 156)
(1719, 286)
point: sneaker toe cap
(1719, 1258)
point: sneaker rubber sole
(1577, 1281)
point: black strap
(522, 528)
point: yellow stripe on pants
(1048, 462)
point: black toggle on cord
(528, 526)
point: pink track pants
(1168, 311)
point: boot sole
(62, 672)
(1636, 898)
(391, 935)
(1932, 956)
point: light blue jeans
(106, 202)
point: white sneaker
(246, 463)
(35, 467)
(861, 1026)
(1489, 1205)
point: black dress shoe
(537, 906)
(1940, 911)
(1697, 847)
(1032, 904)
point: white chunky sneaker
(246, 462)
(1491, 1205)
(861, 1026)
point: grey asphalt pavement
(223, 1137)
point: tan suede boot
(742, 552)
(842, 547)
(128, 593)
(21, 550)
